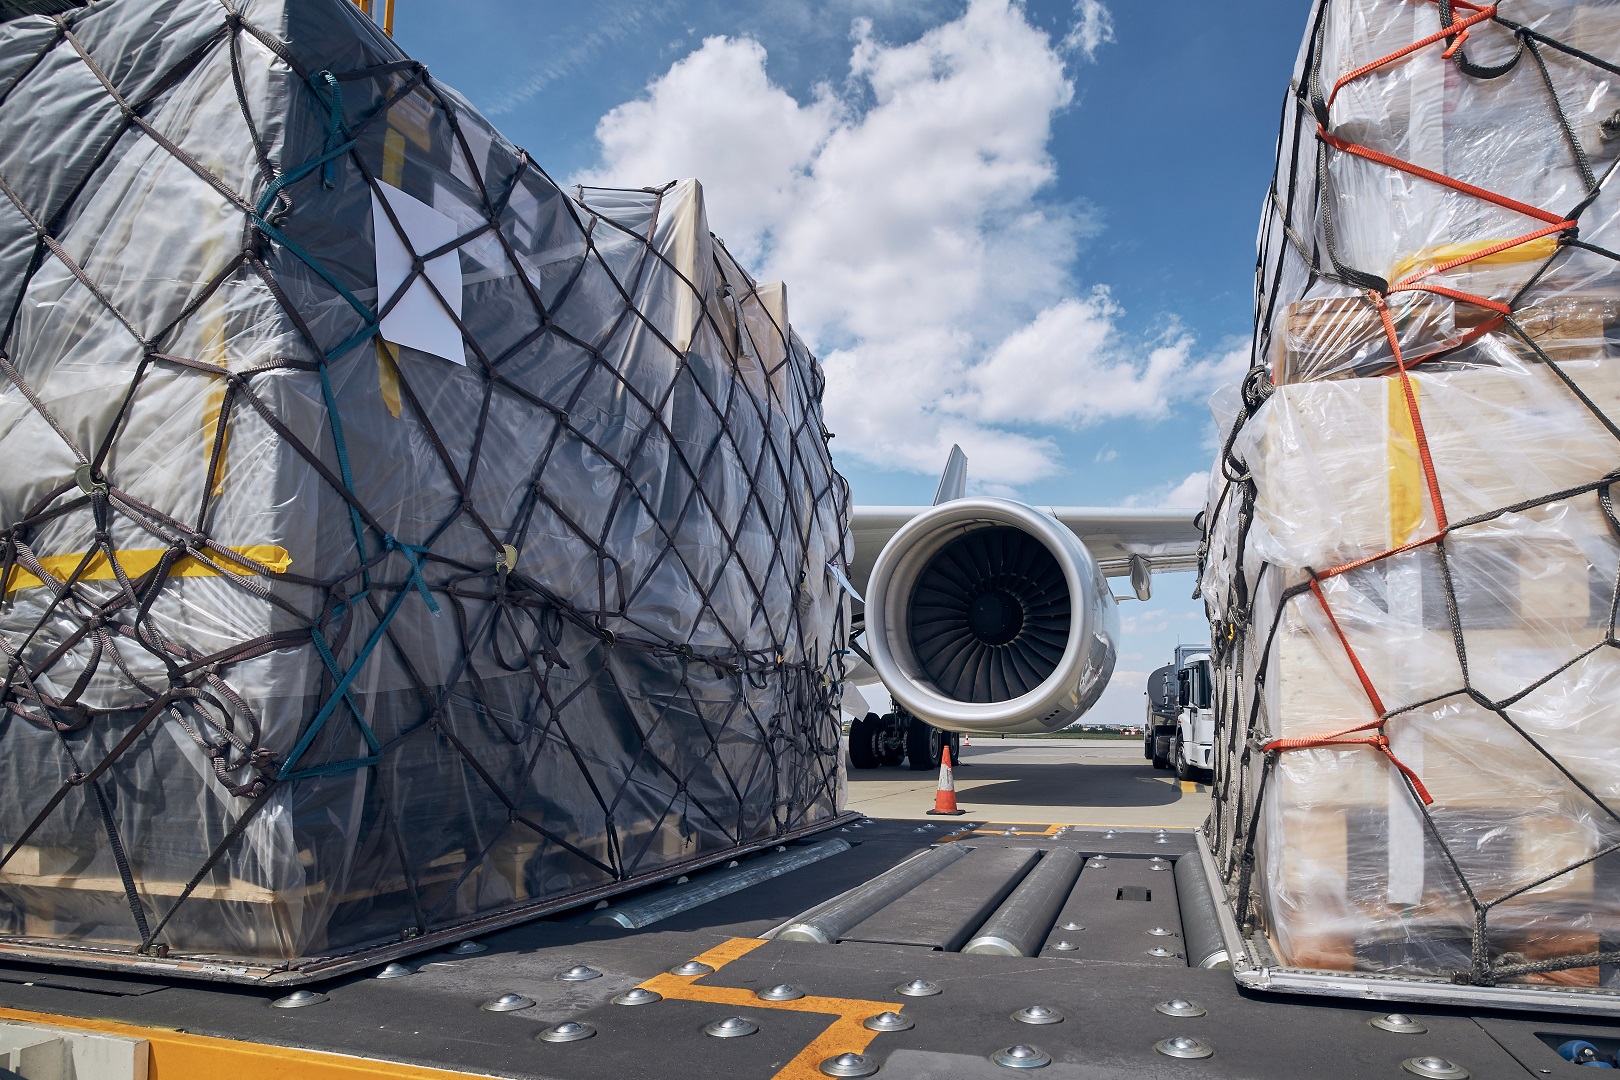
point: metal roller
(1021, 924)
(825, 923)
(660, 905)
(1200, 925)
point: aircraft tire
(924, 744)
(862, 736)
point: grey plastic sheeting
(313, 642)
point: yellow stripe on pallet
(137, 562)
(177, 1055)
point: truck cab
(1192, 753)
(1180, 728)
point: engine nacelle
(987, 615)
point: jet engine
(987, 615)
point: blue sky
(1028, 228)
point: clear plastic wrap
(1412, 552)
(316, 641)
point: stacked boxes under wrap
(1484, 649)
(388, 641)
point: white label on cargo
(418, 320)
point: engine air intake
(990, 615)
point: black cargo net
(1391, 658)
(313, 640)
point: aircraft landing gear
(896, 737)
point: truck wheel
(862, 734)
(1160, 762)
(1147, 745)
(890, 751)
(1184, 771)
(924, 742)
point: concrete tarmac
(1042, 781)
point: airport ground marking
(844, 1035)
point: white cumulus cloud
(907, 206)
(1093, 28)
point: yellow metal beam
(178, 1055)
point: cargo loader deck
(1108, 963)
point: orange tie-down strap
(140, 561)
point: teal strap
(340, 693)
(334, 119)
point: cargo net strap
(1248, 757)
(787, 708)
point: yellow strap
(388, 375)
(1405, 470)
(1431, 257)
(136, 563)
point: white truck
(1180, 729)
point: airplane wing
(1158, 540)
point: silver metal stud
(691, 967)
(1022, 1056)
(849, 1065)
(396, 970)
(1435, 1068)
(1064, 946)
(780, 992)
(1159, 931)
(732, 1027)
(1038, 1014)
(507, 1002)
(467, 948)
(579, 973)
(566, 1032)
(1161, 839)
(1183, 1046)
(888, 1021)
(1099, 862)
(1071, 926)
(1160, 950)
(917, 988)
(1109, 835)
(638, 996)
(1399, 1023)
(1157, 863)
(1180, 1007)
(298, 999)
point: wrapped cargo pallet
(392, 544)
(1412, 545)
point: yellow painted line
(178, 1055)
(843, 1035)
(1052, 829)
(1189, 787)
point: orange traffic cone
(945, 797)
